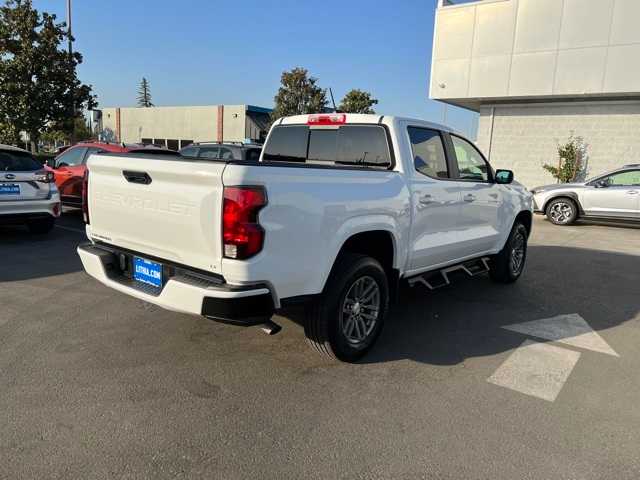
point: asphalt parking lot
(96, 384)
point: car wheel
(562, 211)
(40, 227)
(346, 320)
(508, 264)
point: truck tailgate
(162, 207)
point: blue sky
(198, 52)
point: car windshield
(17, 161)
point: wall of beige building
(195, 123)
(523, 138)
(535, 48)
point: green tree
(571, 161)
(357, 101)
(298, 94)
(38, 82)
(144, 94)
(8, 134)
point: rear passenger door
(478, 221)
(435, 201)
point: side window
(71, 158)
(189, 152)
(471, 164)
(630, 178)
(209, 152)
(253, 155)
(225, 154)
(91, 151)
(428, 152)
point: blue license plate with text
(9, 189)
(146, 271)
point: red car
(70, 166)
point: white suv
(28, 194)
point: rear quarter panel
(311, 212)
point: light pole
(71, 96)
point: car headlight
(537, 190)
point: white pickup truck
(340, 210)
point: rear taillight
(242, 236)
(85, 196)
(45, 176)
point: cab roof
(12, 148)
(346, 118)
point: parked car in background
(223, 151)
(28, 194)
(70, 165)
(613, 195)
(339, 211)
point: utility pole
(71, 87)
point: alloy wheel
(360, 310)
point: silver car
(612, 195)
(28, 194)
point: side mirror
(504, 177)
(602, 184)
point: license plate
(9, 189)
(146, 271)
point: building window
(184, 143)
(146, 141)
(160, 142)
(173, 144)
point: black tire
(506, 266)
(325, 317)
(562, 211)
(41, 227)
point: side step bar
(440, 278)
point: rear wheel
(347, 319)
(42, 226)
(508, 264)
(562, 211)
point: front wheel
(562, 211)
(508, 264)
(347, 319)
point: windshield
(16, 161)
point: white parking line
(70, 229)
(570, 329)
(536, 369)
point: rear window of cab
(16, 161)
(348, 145)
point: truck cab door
(435, 202)
(479, 227)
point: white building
(538, 70)
(176, 127)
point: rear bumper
(21, 211)
(241, 305)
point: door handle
(633, 192)
(469, 197)
(426, 200)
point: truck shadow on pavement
(464, 320)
